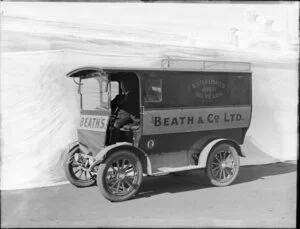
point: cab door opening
(125, 107)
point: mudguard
(73, 145)
(206, 150)
(83, 148)
(100, 157)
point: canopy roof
(170, 65)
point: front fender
(100, 157)
(83, 148)
(73, 145)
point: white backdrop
(39, 105)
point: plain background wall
(40, 114)
(39, 105)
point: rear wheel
(222, 165)
(120, 176)
(77, 168)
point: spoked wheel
(77, 168)
(222, 165)
(120, 176)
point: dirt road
(262, 196)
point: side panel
(188, 109)
(178, 150)
(195, 89)
(92, 129)
(200, 119)
(182, 142)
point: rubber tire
(69, 173)
(102, 167)
(214, 150)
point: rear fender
(208, 147)
(104, 153)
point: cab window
(153, 91)
(94, 93)
(114, 85)
(104, 93)
(90, 94)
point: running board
(166, 170)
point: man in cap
(125, 106)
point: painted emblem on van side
(208, 89)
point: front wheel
(120, 176)
(76, 168)
(222, 165)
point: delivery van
(184, 119)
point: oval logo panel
(209, 89)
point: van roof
(177, 66)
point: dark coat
(128, 103)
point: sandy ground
(262, 196)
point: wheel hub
(223, 165)
(226, 164)
(121, 175)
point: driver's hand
(135, 119)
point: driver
(125, 105)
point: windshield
(94, 93)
